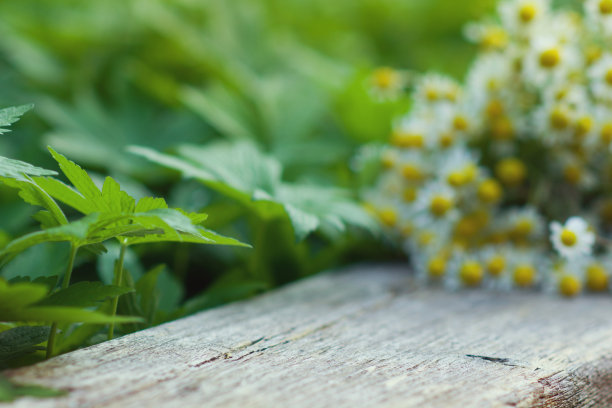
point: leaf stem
(118, 281)
(65, 283)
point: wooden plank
(366, 337)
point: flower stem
(65, 284)
(118, 281)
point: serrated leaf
(66, 194)
(10, 115)
(83, 294)
(21, 340)
(80, 180)
(17, 169)
(242, 172)
(17, 304)
(49, 281)
(118, 201)
(34, 194)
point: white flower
(490, 75)
(524, 223)
(458, 167)
(435, 206)
(599, 15)
(525, 269)
(465, 269)
(435, 88)
(521, 16)
(573, 239)
(549, 60)
(600, 76)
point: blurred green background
(290, 75)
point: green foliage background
(287, 78)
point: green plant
(109, 213)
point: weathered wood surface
(365, 337)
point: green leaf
(146, 288)
(21, 340)
(66, 194)
(10, 391)
(150, 220)
(17, 304)
(81, 181)
(10, 115)
(83, 294)
(17, 169)
(31, 192)
(240, 171)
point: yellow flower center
(572, 173)
(527, 12)
(440, 205)
(431, 94)
(407, 139)
(411, 172)
(583, 126)
(494, 108)
(550, 58)
(466, 227)
(609, 77)
(502, 128)
(524, 275)
(495, 37)
(489, 191)
(471, 273)
(460, 123)
(606, 133)
(593, 53)
(523, 228)
(426, 237)
(385, 78)
(569, 285)
(511, 171)
(496, 265)
(559, 119)
(409, 194)
(568, 238)
(388, 216)
(436, 267)
(446, 139)
(469, 173)
(597, 278)
(387, 160)
(456, 179)
(605, 6)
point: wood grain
(365, 337)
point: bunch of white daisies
(505, 182)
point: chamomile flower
(533, 120)
(458, 167)
(387, 83)
(490, 36)
(599, 15)
(566, 277)
(525, 269)
(600, 75)
(496, 260)
(412, 132)
(521, 16)
(524, 224)
(548, 60)
(597, 273)
(573, 239)
(434, 88)
(465, 270)
(435, 205)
